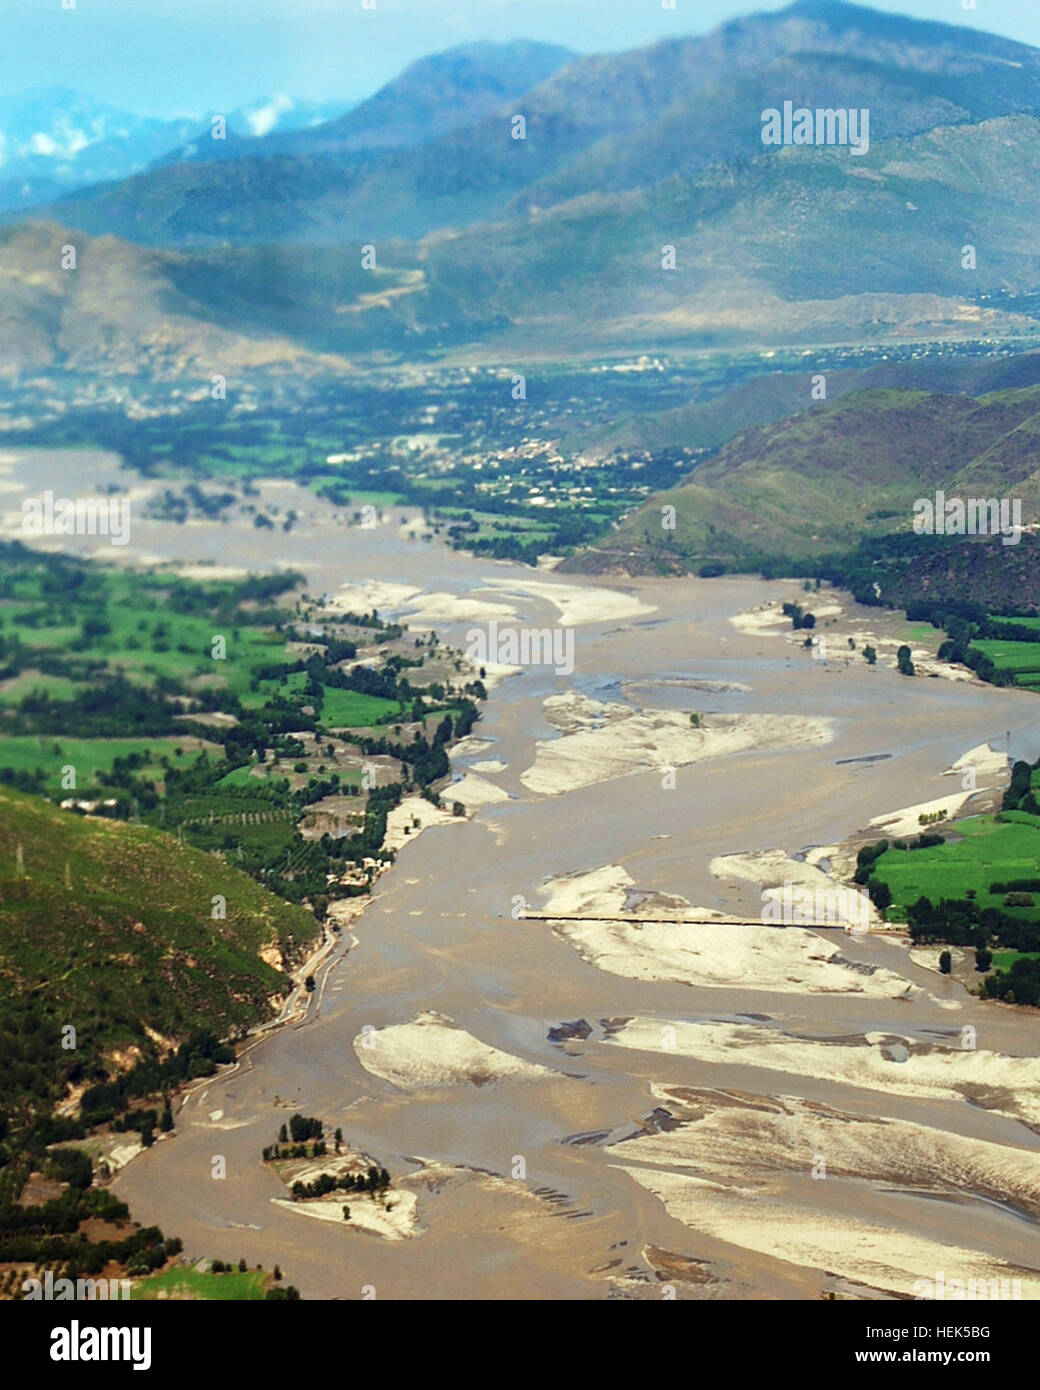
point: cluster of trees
(799, 618)
(197, 1056)
(879, 892)
(302, 1128)
(376, 1180)
(904, 662)
(1025, 886)
(424, 761)
(958, 649)
(504, 547)
(1019, 795)
(48, 1233)
(866, 858)
(274, 1151)
(1019, 985)
(111, 707)
(961, 922)
(174, 506)
(144, 1121)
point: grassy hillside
(909, 570)
(815, 483)
(108, 927)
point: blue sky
(166, 56)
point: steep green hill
(107, 927)
(906, 570)
(816, 483)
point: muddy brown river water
(528, 1191)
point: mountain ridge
(309, 188)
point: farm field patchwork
(986, 851)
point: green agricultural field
(216, 801)
(91, 757)
(36, 683)
(1022, 818)
(252, 1284)
(148, 642)
(921, 634)
(341, 709)
(349, 709)
(1019, 621)
(990, 851)
(273, 838)
(1023, 658)
(245, 777)
(145, 625)
(248, 648)
(48, 636)
(1004, 960)
(288, 686)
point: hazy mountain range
(53, 139)
(554, 244)
(601, 126)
